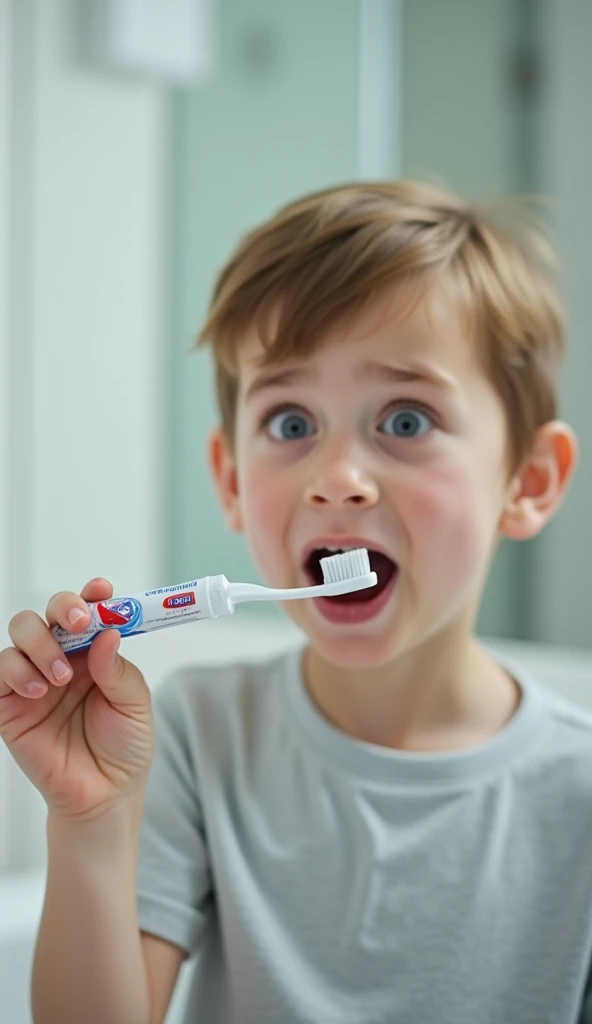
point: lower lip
(354, 614)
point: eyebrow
(370, 370)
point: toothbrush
(209, 598)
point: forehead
(403, 325)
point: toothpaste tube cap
(219, 597)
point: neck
(442, 697)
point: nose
(341, 479)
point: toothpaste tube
(210, 597)
(205, 598)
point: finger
(118, 679)
(37, 658)
(33, 638)
(18, 675)
(70, 610)
(97, 589)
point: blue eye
(406, 422)
(289, 426)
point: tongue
(384, 569)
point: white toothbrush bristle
(346, 566)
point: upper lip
(334, 540)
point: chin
(371, 646)
(354, 651)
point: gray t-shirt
(317, 879)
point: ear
(223, 469)
(539, 487)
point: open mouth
(381, 564)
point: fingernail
(60, 669)
(35, 689)
(75, 615)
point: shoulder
(556, 766)
(571, 733)
(215, 723)
(211, 694)
(559, 686)
(574, 719)
(560, 770)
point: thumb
(119, 680)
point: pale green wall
(277, 119)
(463, 125)
(281, 117)
(458, 104)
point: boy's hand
(85, 740)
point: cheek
(265, 510)
(258, 493)
(448, 515)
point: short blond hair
(321, 258)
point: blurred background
(139, 139)
(142, 139)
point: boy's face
(356, 449)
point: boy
(388, 824)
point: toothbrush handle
(240, 592)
